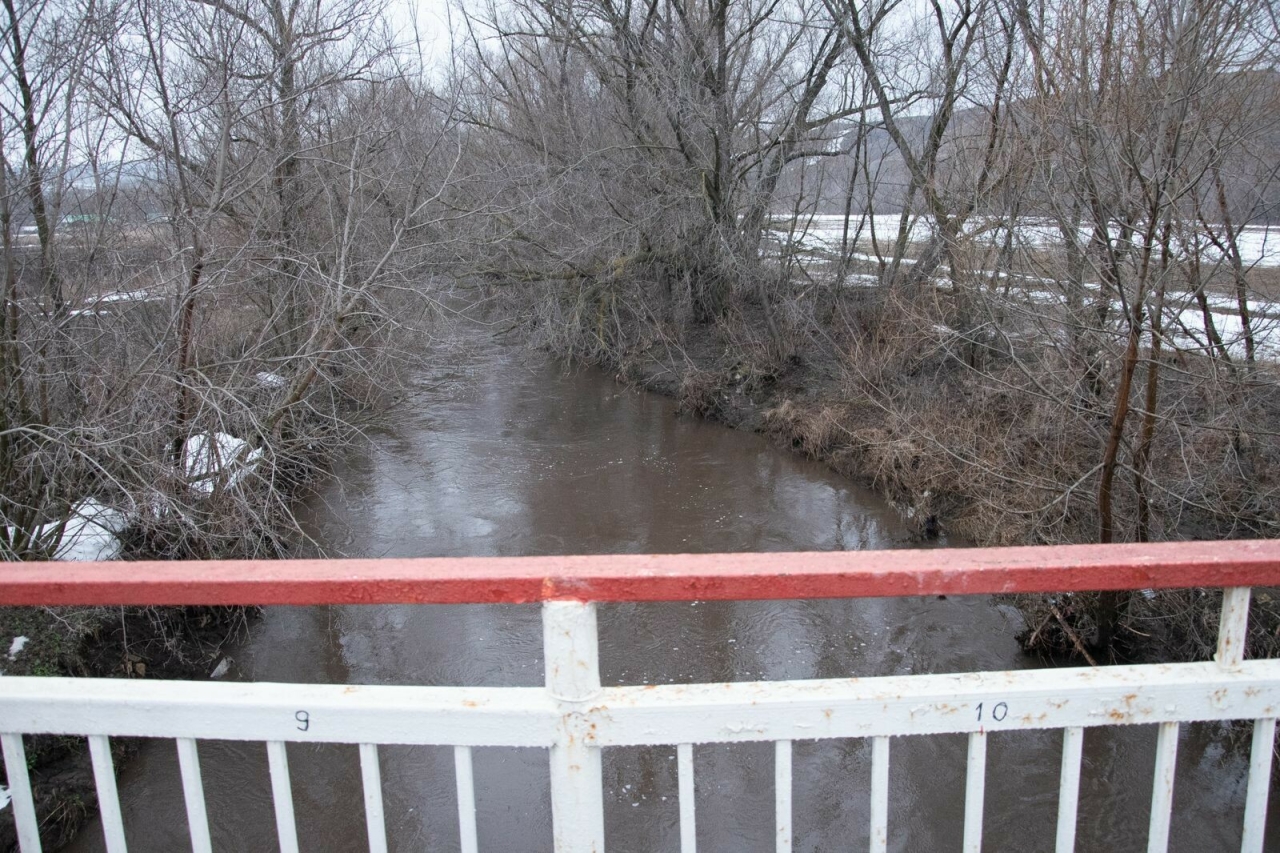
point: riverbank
(961, 439)
(155, 643)
(808, 403)
(245, 512)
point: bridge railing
(574, 716)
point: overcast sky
(430, 20)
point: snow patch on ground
(872, 259)
(1184, 324)
(218, 456)
(96, 306)
(128, 296)
(270, 380)
(1190, 333)
(1259, 245)
(91, 533)
(16, 647)
(4, 798)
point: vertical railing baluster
(104, 778)
(572, 656)
(974, 791)
(1233, 634)
(371, 779)
(1069, 788)
(1162, 788)
(193, 792)
(465, 776)
(24, 807)
(1233, 627)
(879, 794)
(282, 795)
(688, 826)
(1255, 799)
(782, 792)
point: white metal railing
(574, 718)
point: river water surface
(504, 452)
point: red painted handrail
(677, 577)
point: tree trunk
(50, 281)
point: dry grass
(976, 416)
(814, 429)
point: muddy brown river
(504, 452)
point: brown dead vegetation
(984, 439)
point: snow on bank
(90, 533)
(92, 529)
(270, 380)
(211, 457)
(16, 647)
(4, 798)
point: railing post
(1233, 627)
(572, 651)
